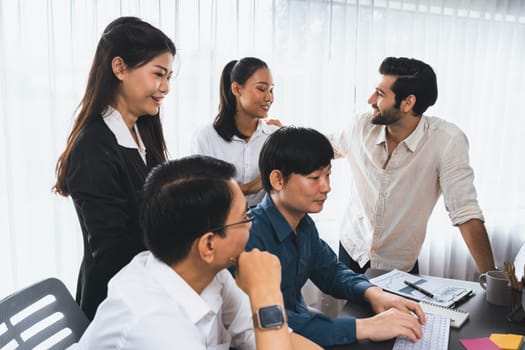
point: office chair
(43, 315)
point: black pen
(463, 299)
(419, 289)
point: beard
(387, 116)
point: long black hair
(137, 43)
(235, 71)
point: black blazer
(104, 180)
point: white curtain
(324, 57)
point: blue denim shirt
(305, 256)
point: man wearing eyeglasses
(178, 295)
(295, 171)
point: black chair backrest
(43, 315)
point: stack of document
(421, 289)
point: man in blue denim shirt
(295, 169)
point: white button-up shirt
(389, 207)
(244, 155)
(118, 127)
(149, 306)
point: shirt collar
(193, 304)
(262, 128)
(277, 220)
(381, 136)
(412, 140)
(118, 127)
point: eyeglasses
(221, 228)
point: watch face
(271, 316)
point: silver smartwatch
(269, 317)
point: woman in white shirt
(239, 131)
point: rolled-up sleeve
(457, 181)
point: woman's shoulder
(95, 135)
(95, 125)
(206, 131)
(207, 141)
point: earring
(233, 260)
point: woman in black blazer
(116, 139)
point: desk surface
(483, 320)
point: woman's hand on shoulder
(275, 122)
